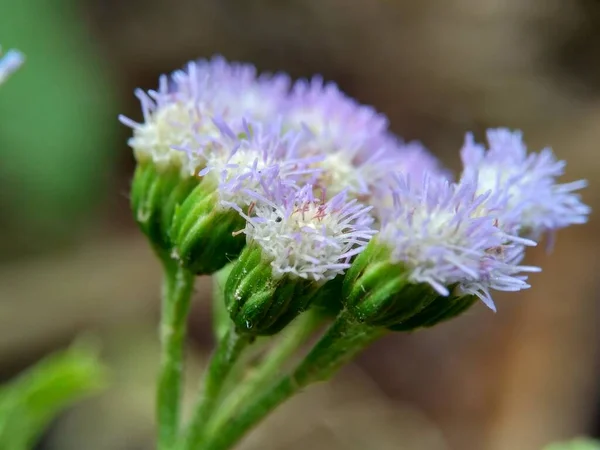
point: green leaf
(31, 401)
(577, 444)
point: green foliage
(577, 444)
(31, 401)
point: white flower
(307, 237)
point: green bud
(204, 233)
(154, 198)
(379, 293)
(259, 303)
(328, 299)
(440, 310)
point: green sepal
(154, 199)
(440, 310)
(258, 303)
(203, 232)
(378, 292)
(328, 299)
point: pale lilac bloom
(259, 155)
(351, 136)
(306, 236)
(9, 63)
(441, 232)
(537, 203)
(414, 160)
(180, 113)
(410, 160)
(335, 118)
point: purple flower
(305, 236)
(350, 136)
(235, 89)
(442, 233)
(249, 161)
(337, 120)
(180, 113)
(9, 63)
(536, 202)
(409, 160)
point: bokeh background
(72, 261)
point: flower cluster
(315, 178)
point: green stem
(293, 338)
(222, 362)
(220, 316)
(342, 341)
(176, 298)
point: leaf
(577, 444)
(30, 402)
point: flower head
(307, 237)
(238, 91)
(335, 118)
(411, 161)
(180, 113)
(441, 232)
(348, 135)
(535, 201)
(9, 63)
(257, 156)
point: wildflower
(296, 244)
(348, 135)
(205, 228)
(181, 115)
(410, 160)
(438, 241)
(9, 63)
(536, 203)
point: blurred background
(72, 261)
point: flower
(296, 244)
(536, 203)
(237, 91)
(256, 156)
(238, 167)
(180, 113)
(443, 234)
(308, 237)
(350, 137)
(410, 160)
(9, 63)
(331, 115)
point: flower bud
(155, 196)
(260, 303)
(439, 310)
(378, 292)
(204, 232)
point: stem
(220, 316)
(221, 364)
(296, 335)
(342, 341)
(176, 298)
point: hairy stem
(270, 368)
(176, 298)
(342, 341)
(221, 364)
